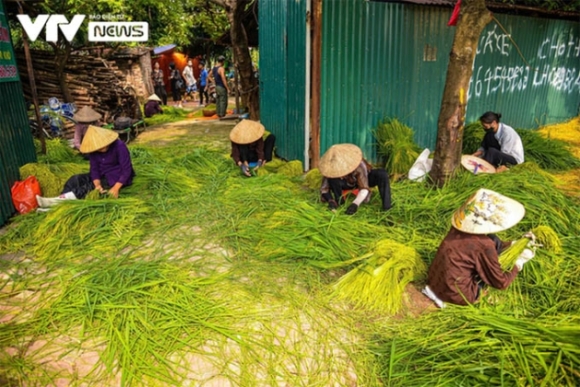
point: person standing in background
(190, 82)
(159, 83)
(176, 84)
(202, 83)
(221, 87)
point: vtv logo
(53, 23)
(98, 31)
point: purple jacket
(114, 165)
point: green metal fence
(16, 145)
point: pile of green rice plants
(144, 312)
(550, 154)
(493, 348)
(170, 114)
(473, 134)
(80, 228)
(396, 145)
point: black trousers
(496, 157)
(202, 92)
(80, 185)
(377, 178)
(246, 154)
(161, 93)
(176, 91)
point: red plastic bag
(24, 194)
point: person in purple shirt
(153, 106)
(110, 168)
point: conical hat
(246, 132)
(487, 212)
(86, 115)
(340, 160)
(154, 97)
(476, 165)
(97, 138)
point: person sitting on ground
(344, 168)
(153, 106)
(110, 168)
(501, 145)
(84, 117)
(468, 258)
(248, 145)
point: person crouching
(249, 147)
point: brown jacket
(256, 146)
(462, 261)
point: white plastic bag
(421, 167)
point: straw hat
(340, 160)
(476, 165)
(487, 212)
(97, 138)
(86, 115)
(246, 132)
(154, 97)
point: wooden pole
(32, 85)
(316, 82)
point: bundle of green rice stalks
(57, 151)
(313, 179)
(548, 238)
(508, 258)
(548, 153)
(50, 184)
(545, 236)
(379, 282)
(472, 136)
(396, 145)
(292, 168)
(79, 228)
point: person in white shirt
(190, 81)
(501, 145)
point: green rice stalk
(57, 151)
(508, 257)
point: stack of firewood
(92, 81)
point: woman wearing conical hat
(153, 106)
(248, 145)
(344, 168)
(110, 168)
(468, 258)
(84, 117)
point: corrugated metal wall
(16, 145)
(390, 59)
(539, 86)
(282, 37)
(381, 59)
